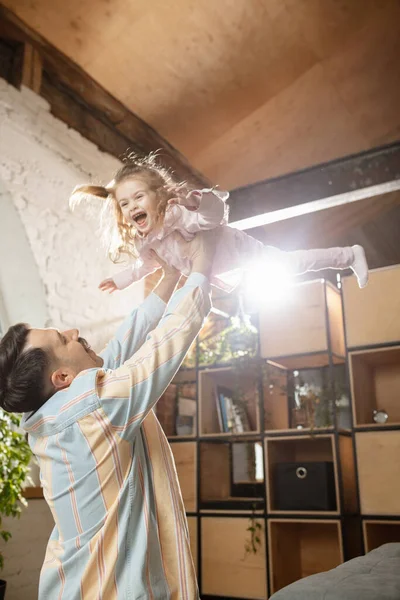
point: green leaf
(15, 456)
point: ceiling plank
(105, 121)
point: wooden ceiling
(246, 89)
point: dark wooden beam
(11, 54)
(85, 105)
(323, 186)
(32, 66)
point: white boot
(360, 265)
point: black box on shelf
(304, 486)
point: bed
(375, 576)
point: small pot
(3, 585)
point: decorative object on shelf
(304, 486)
(15, 456)
(380, 416)
(313, 403)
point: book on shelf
(232, 416)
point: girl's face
(138, 203)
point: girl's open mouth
(140, 218)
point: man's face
(69, 352)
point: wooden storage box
(298, 549)
(298, 449)
(226, 571)
(377, 533)
(372, 314)
(379, 472)
(281, 388)
(296, 333)
(375, 384)
(210, 381)
(224, 472)
(186, 467)
(275, 397)
(192, 526)
(177, 408)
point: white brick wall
(41, 160)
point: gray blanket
(375, 576)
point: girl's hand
(190, 200)
(108, 285)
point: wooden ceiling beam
(348, 179)
(85, 105)
(32, 67)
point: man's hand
(167, 284)
(201, 251)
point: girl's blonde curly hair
(119, 236)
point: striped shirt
(107, 470)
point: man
(107, 470)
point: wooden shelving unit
(185, 456)
(375, 384)
(372, 314)
(230, 479)
(300, 450)
(299, 548)
(372, 323)
(379, 471)
(377, 533)
(227, 476)
(307, 331)
(213, 379)
(225, 570)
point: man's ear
(62, 378)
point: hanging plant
(238, 340)
(253, 542)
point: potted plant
(15, 456)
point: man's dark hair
(22, 373)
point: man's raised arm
(132, 333)
(128, 393)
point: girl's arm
(202, 209)
(133, 273)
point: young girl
(149, 209)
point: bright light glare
(268, 284)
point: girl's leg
(301, 261)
